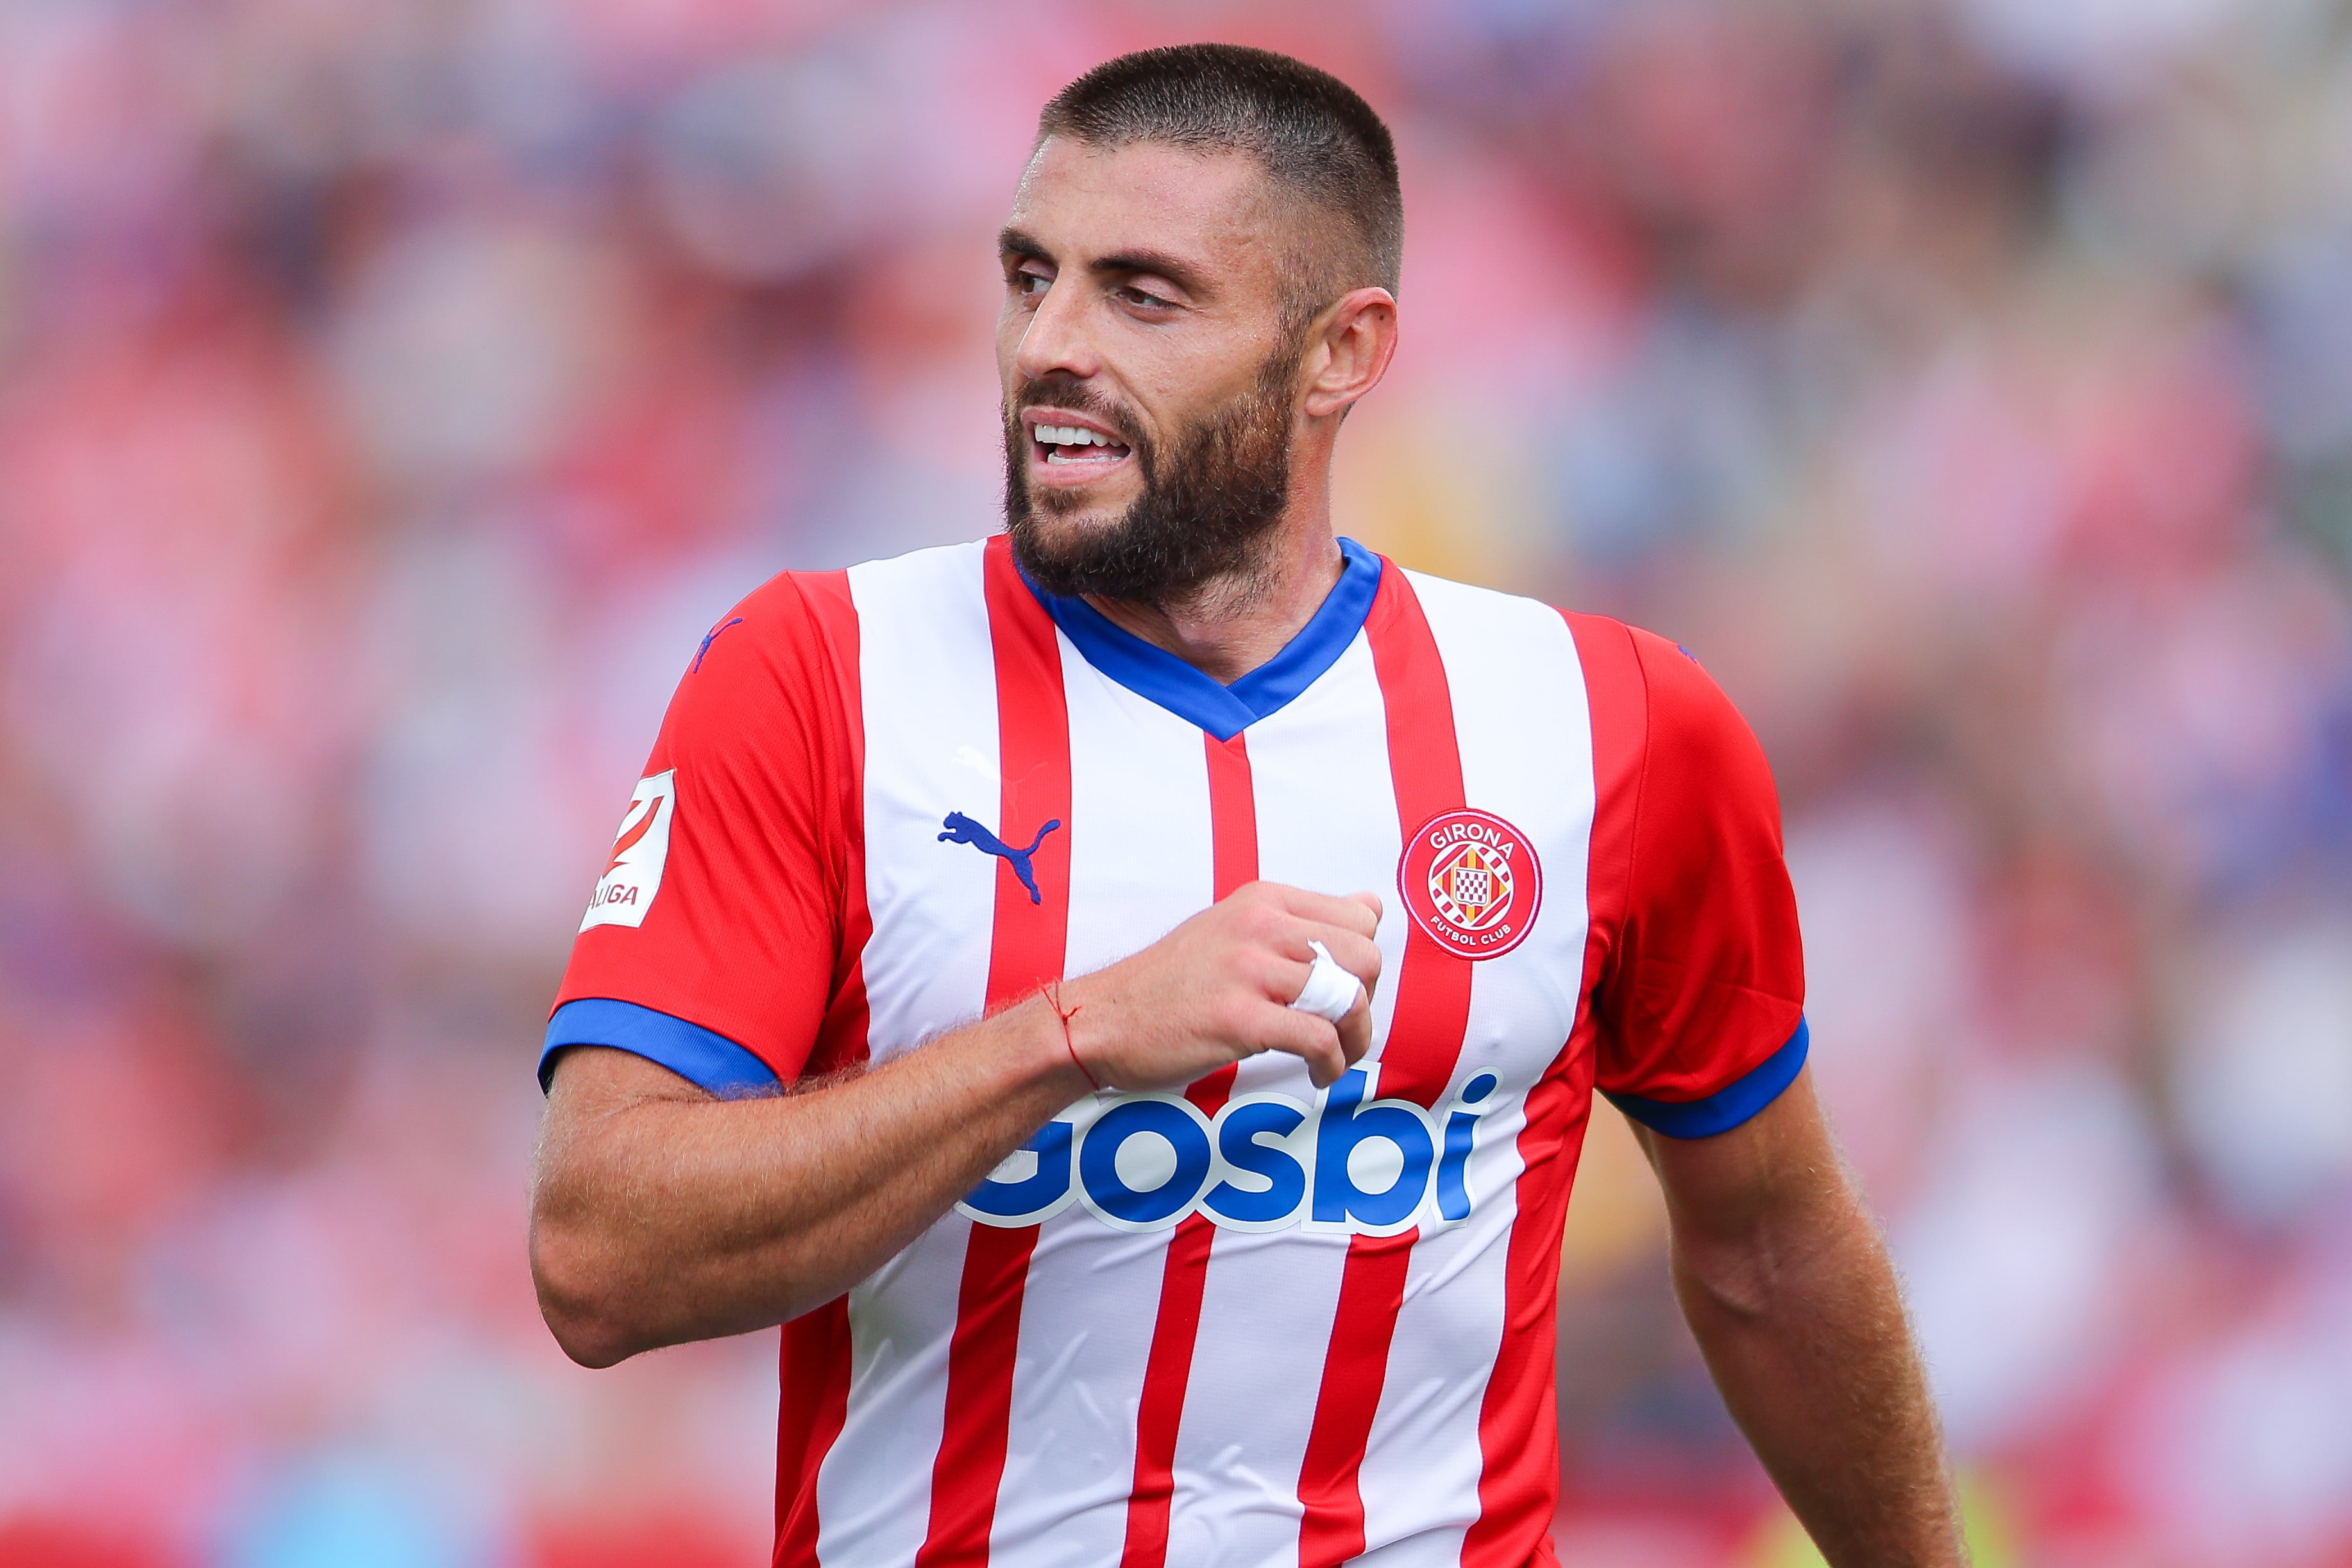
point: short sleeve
(1702, 1002)
(713, 941)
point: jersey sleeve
(1703, 1000)
(713, 942)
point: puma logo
(962, 830)
(709, 638)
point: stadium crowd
(391, 395)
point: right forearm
(669, 1218)
(660, 1214)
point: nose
(1055, 338)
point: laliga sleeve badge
(1471, 881)
(633, 871)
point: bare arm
(1787, 1286)
(660, 1214)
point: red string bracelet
(1052, 991)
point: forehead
(1084, 202)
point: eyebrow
(1017, 242)
(1125, 263)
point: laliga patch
(634, 873)
(1471, 881)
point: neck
(1233, 624)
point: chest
(1017, 830)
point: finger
(1310, 1039)
(1282, 976)
(1359, 956)
(1336, 988)
(1356, 1030)
(1350, 914)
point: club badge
(1471, 881)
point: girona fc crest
(1471, 881)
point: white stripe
(1141, 862)
(927, 673)
(1418, 1481)
(874, 1489)
(1325, 821)
(1523, 735)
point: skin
(660, 1214)
(1785, 1281)
(1157, 276)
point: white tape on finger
(1330, 992)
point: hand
(1218, 988)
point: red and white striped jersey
(1253, 1323)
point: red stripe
(1233, 834)
(1233, 862)
(1432, 1010)
(1233, 814)
(1519, 1432)
(814, 1352)
(1032, 732)
(841, 1037)
(1027, 948)
(1165, 1377)
(814, 1374)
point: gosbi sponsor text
(1347, 1163)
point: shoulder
(922, 585)
(784, 625)
(780, 659)
(1695, 727)
(1450, 604)
(1694, 791)
(1504, 648)
(799, 619)
(1647, 690)
(1656, 687)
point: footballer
(1127, 995)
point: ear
(1349, 350)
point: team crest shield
(1471, 881)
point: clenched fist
(1218, 988)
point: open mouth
(1071, 445)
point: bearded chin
(1208, 505)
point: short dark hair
(1311, 132)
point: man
(1127, 995)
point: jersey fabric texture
(1254, 1322)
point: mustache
(1058, 389)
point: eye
(1029, 284)
(1148, 301)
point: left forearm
(1815, 1360)
(1788, 1288)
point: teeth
(1072, 435)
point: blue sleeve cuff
(1727, 1107)
(695, 1054)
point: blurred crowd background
(390, 394)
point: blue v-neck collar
(1224, 711)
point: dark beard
(1207, 505)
